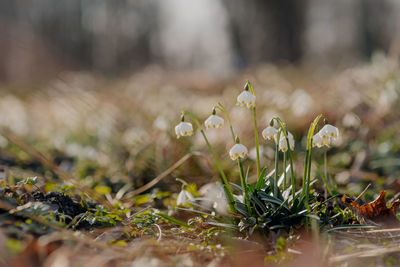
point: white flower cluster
(270, 133)
(325, 136)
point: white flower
(317, 140)
(214, 121)
(269, 132)
(238, 150)
(329, 131)
(291, 141)
(214, 196)
(283, 143)
(325, 136)
(183, 198)
(246, 98)
(183, 129)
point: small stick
(160, 232)
(162, 175)
(362, 193)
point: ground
(90, 167)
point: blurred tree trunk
(266, 30)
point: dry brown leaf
(375, 212)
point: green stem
(293, 181)
(256, 142)
(239, 160)
(222, 174)
(243, 184)
(228, 118)
(307, 167)
(305, 175)
(284, 169)
(292, 178)
(308, 179)
(174, 220)
(276, 165)
(325, 174)
(225, 182)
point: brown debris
(375, 212)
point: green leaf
(171, 219)
(278, 226)
(269, 198)
(259, 203)
(261, 180)
(225, 225)
(242, 209)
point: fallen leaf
(375, 212)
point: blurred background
(41, 38)
(99, 85)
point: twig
(363, 192)
(162, 175)
(362, 254)
(159, 231)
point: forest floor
(89, 168)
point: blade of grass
(173, 220)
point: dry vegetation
(92, 142)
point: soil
(65, 204)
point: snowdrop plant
(286, 140)
(248, 98)
(325, 137)
(269, 203)
(217, 163)
(237, 152)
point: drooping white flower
(183, 198)
(246, 98)
(329, 131)
(325, 136)
(238, 150)
(291, 141)
(317, 140)
(214, 197)
(183, 129)
(214, 121)
(283, 146)
(269, 132)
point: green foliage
(271, 213)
